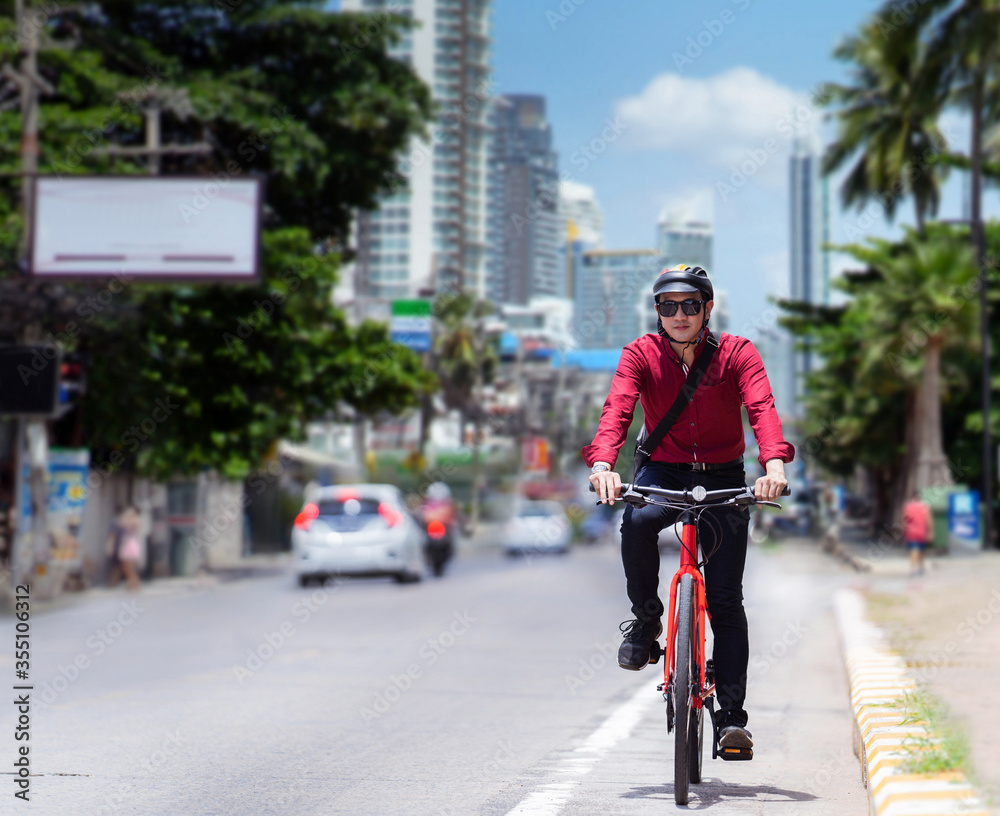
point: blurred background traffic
(401, 244)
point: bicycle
(688, 677)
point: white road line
(550, 798)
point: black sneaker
(734, 736)
(633, 654)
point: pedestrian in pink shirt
(916, 531)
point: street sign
(963, 516)
(410, 323)
(176, 228)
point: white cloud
(718, 119)
(693, 202)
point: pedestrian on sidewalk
(123, 549)
(916, 531)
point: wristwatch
(600, 467)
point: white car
(536, 526)
(361, 529)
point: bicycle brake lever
(769, 504)
(634, 497)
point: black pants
(722, 529)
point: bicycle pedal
(655, 650)
(736, 754)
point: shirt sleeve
(616, 416)
(755, 391)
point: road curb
(879, 681)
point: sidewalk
(250, 567)
(946, 626)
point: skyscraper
(682, 239)
(433, 233)
(613, 296)
(578, 206)
(808, 282)
(809, 218)
(523, 203)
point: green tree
(961, 39)
(887, 123)
(877, 398)
(281, 90)
(466, 361)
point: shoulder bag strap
(694, 377)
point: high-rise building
(432, 234)
(681, 239)
(809, 228)
(580, 214)
(613, 296)
(808, 281)
(523, 203)
(581, 228)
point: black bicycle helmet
(683, 278)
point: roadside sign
(963, 516)
(133, 227)
(410, 323)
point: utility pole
(155, 102)
(979, 245)
(32, 433)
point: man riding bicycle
(704, 446)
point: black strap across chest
(647, 444)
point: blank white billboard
(154, 228)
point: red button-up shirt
(710, 429)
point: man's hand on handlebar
(607, 485)
(770, 486)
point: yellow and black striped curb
(879, 682)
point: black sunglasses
(668, 308)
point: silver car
(536, 527)
(361, 529)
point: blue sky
(690, 117)
(694, 90)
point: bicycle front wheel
(683, 715)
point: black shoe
(734, 736)
(633, 654)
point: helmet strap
(685, 343)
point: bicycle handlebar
(739, 495)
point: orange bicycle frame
(689, 566)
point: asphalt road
(491, 691)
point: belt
(703, 467)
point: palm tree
(963, 44)
(920, 307)
(465, 362)
(888, 119)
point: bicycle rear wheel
(683, 714)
